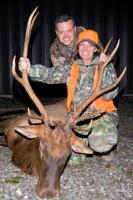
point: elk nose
(47, 193)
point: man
(103, 135)
(64, 46)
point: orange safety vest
(72, 84)
(98, 103)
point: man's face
(65, 31)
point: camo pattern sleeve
(56, 56)
(110, 77)
(53, 75)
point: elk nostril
(47, 193)
(51, 194)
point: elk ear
(80, 147)
(28, 131)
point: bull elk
(43, 149)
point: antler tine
(103, 65)
(77, 119)
(33, 20)
(90, 115)
(26, 43)
(107, 45)
(24, 80)
(30, 24)
(108, 88)
(85, 128)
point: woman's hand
(24, 63)
(103, 57)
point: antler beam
(24, 80)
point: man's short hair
(64, 18)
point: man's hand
(24, 63)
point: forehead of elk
(56, 143)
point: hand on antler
(103, 57)
(24, 63)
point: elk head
(56, 142)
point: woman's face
(86, 51)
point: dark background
(110, 18)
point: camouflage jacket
(84, 87)
(61, 54)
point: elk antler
(24, 80)
(96, 93)
(107, 45)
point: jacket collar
(94, 61)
